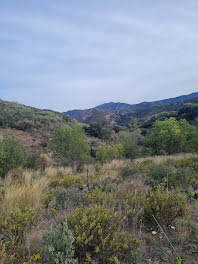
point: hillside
(34, 126)
(121, 113)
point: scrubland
(103, 214)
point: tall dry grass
(25, 193)
(162, 158)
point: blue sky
(66, 54)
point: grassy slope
(34, 126)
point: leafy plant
(59, 247)
(165, 206)
(99, 236)
(106, 153)
(179, 261)
(70, 145)
(12, 154)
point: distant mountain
(121, 113)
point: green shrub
(128, 171)
(129, 142)
(13, 225)
(12, 154)
(172, 136)
(70, 180)
(106, 153)
(70, 146)
(59, 247)
(165, 206)
(65, 197)
(98, 236)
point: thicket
(172, 136)
(69, 145)
(99, 236)
(12, 154)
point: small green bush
(59, 247)
(70, 180)
(65, 197)
(99, 236)
(12, 154)
(106, 153)
(128, 171)
(165, 206)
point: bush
(70, 180)
(65, 197)
(129, 142)
(13, 225)
(165, 206)
(106, 153)
(172, 136)
(128, 171)
(12, 154)
(98, 236)
(70, 145)
(59, 245)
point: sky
(76, 54)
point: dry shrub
(51, 172)
(162, 158)
(45, 161)
(114, 165)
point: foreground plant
(99, 236)
(59, 247)
(165, 206)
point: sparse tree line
(71, 146)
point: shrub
(165, 206)
(44, 161)
(70, 145)
(172, 136)
(65, 197)
(106, 153)
(59, 247)
(12, 154)
(128, 171)
(70, 180)
(98, 236)
(13, 225)
(129, 142)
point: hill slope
(121, 113)
(34, 126)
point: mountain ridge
(115, 111)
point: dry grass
(52, 172)
(26, 193)
(159, 159)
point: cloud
(61, 55)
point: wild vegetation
(100, 194)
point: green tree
(191, 136)
(59, 245)
(70, 145)
(129, 142)
(100, 129)
(12, 154)
(106, 153)
(172, 136)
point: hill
(34, 126)
(121, 113)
